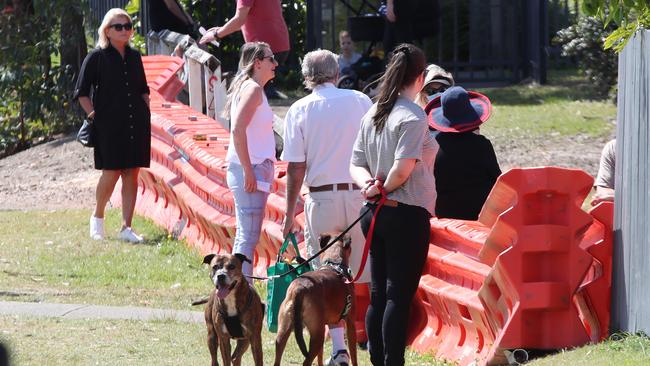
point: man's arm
(233, 25)
(295, 177)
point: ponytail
(250, 52)
(407, 63)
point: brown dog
(318, 298)
(234, 310)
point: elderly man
(319, 133)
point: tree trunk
(73, 39)
(22, 7)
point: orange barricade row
(534, 271)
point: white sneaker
(341, 358)
(127, 234)
(96, 228)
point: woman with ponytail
(393, 155)
(251, 152)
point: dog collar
(340, 269)
(344, 272)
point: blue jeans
(249, 209)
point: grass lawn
(47, 341)
(620, 350)
(50, 259)
(563, 107)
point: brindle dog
(318, 298)
(234, 310)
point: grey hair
(103, 40)
(319, 67)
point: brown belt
(330, 187)
(391, 203)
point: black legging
(398, 252)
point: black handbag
(86, 134)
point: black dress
(122, 118)
(466, 168)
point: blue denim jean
(249, 209)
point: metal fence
(631, 288)
(478, 40)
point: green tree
(42, 46)
(584, 42)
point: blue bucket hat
(457, 110)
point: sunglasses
(119, 27)
(271, 58)
(431, 89)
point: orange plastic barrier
(534, 271)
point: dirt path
(59, 174)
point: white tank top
(259, 133)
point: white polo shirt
(320, 129)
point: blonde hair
(250, 52)
(103, 40)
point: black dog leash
(293, 269)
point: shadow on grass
(562, 85)
(156, 239)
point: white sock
(338, 339)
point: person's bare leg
(104, 190)
(129, 194)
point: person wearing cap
(436, 81)
(466, 166)
(393, 155)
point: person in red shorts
(259, 21)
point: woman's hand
(372, 188)
(250, 181)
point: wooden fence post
(631, 262)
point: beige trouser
(335, 211)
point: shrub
(584, 42)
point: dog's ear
(347, 241)
(324, 239)
(242, 258)
(208, 258)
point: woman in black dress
(466, 166)
(112, 90)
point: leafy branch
(629, 15)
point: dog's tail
(297, 323)
(199, 302)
